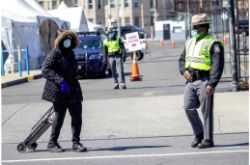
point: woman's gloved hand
(64, 86)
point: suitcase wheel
(32, 146)
(21, 147)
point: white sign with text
(133, 41)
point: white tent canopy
(95, 27)
(74, 15)
(25, 24)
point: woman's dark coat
(60, 65)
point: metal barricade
(10, 68)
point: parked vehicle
(142, 36)
(91, 56)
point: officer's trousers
(75, 111)
(116, 64)
(195, 97)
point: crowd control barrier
(20, 61)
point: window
(112, 3)
(99, 4)
(91, 20)
(90, 4)
(136, 3)
(41, 3)
(151, 4)
(99, 20)
(54, 6)
(177, 29)
(126, 3)
(127, 21)
(180, 6)
(75, 3)
(136, 21)
(152, 20)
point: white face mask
(67, 43)
(194, 32)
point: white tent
(95, 27)
(25, 25)
(74, 15)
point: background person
(63, 89)
(201, 63)
(114, 48)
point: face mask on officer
(194, 32)
(112, 35)
(67, 43)
(199, 30)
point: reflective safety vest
(198, 53)
(113, 45)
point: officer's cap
(200, 19)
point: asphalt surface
(144, 124)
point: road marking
(129, 156)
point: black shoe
(116, 86)
(198, 138)
(78, 147)
(124, 86)
(206, 144)
(55, 147)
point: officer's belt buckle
(197, 75)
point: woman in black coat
(63, 89)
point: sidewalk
(14, 79)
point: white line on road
(129, 156)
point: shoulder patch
(217, 49)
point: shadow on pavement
(232, 145)
(123, 148)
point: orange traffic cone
(225, 40)
(135, 76)
(173, 44)
(161, 43)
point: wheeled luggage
(36, 132)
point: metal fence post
(27, 60)
(19, 61)
(235, 78)
(2, 63)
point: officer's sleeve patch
(217, 49)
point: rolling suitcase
(36, 132)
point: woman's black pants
(75, 111)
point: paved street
(144, 124)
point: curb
(22, 80)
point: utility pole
(235, 80)
(188, 19)
(118, 2)
(110, 16)
(155, 15)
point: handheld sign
(133, 41)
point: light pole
(188, 19)
(235, 80)
(118, 2)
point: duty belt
(199, 74)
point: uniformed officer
(201, 63)
(114, 47)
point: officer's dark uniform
(195, 90)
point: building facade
(144, 13)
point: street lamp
(118, 4)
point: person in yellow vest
(114, 48)
(201, 64)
